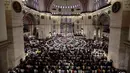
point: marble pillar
(119, 32)
(88, 28)
(18, 42)
(15, 50)
(89, 31)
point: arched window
(99, 4)
(32, 3)
(36, 4)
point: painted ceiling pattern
(84, 4)
(49, 2)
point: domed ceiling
(74, 6)
(66, 6)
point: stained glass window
(32, 3)
(99, 4)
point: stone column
(119, 31)
(127, 56)
(15, 50)
(123, 51)
(88, 27)
(114, 38)
(45, 25)
(18, 42)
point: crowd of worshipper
(66, 42)
(43, 57)
(78, 34)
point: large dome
(67, 6)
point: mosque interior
(65, 36)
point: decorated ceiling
(63, 6)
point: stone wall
(3, 56)
(3, 31)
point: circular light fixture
(60, 6)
